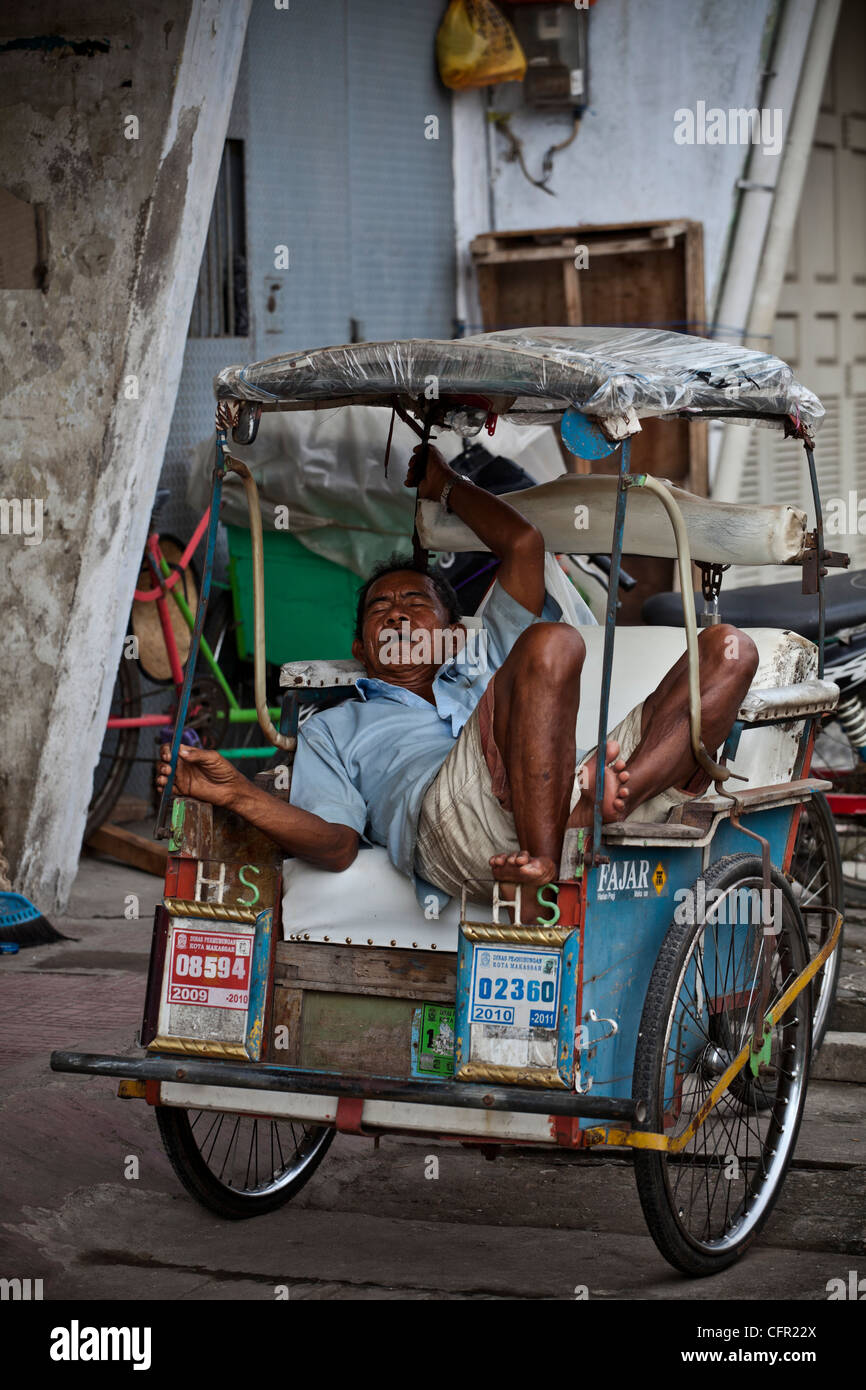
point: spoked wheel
(816, 875)
(240, 1165)
(119, 747)
(706, 1203)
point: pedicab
(657, 996)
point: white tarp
(326, 467)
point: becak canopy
(530, 375)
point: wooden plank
(487, 239)
(626, 245)
(372, 970)
(357, 1034)
(488, 296)
(150, 856)
(288, 1009)
(557, 252)
(698, 478)
(571, 286)
(529, 253)
(693, 265)
(192, 829)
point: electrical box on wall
(554, 40)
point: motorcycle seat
(775, 605)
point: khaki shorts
(463, 823)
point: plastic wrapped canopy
(534, 374)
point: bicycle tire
(237, 1202)
(119, 747)
(701, 1003)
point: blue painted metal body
(609, 632)
(622, 937)
(259, 976)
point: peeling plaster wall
(126, 223)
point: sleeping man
(459, 755)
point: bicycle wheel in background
(144, 621)
(219, 633)
(835, 760)
(816, 878)
(118, 750)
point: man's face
(406, 633)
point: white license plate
(516, 986)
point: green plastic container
(309, 602)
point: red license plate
(211, 968)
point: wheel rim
(254, 1156)
(118, 749)
(720, 1185)
(813, 888)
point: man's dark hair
(444, 591)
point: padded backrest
(575, 514)
(642, 655)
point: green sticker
(433, 1040)
(178, 812)
(759, 1056)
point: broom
(21, 922)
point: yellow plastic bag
(476, 46)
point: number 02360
(515, 986)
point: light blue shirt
(368, 762)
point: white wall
(646, 60)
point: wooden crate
(348, 1009)
(646, 274)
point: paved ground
(369, 1225)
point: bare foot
(614, 795)
(522, 867)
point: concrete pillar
(91, 363)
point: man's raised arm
(205, 775)
(518, 544)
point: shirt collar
(371, 688)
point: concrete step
(849, 1009)
(842, 1058)
(849, 1013)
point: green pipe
(247, 752)
(250, 716)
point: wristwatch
(446, 493)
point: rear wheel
(240, 1165)
(706, 1203)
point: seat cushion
(369, 904)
